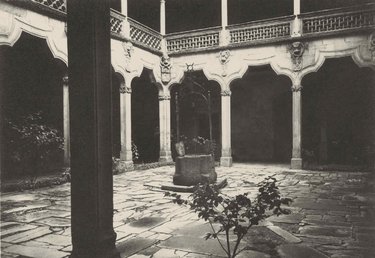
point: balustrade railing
(197, 39)
(264, 31)
(59, 5)
(116, 20)
(144, 35)
(337, 20)
(258, 31)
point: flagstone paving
(333, 215)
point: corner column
(165, 128)
(66, 121)
(226, 149)
(296, 162)
(126, 126)
(91, 144)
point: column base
(296, 163)
(226, 161)
(165, 159)
(114, 253)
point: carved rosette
(189, 67)
(226, 93)
(124, 89)
(164, 97)
(224, 59)
(296, 50)
(165, 68)
(372, 46)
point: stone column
(91, 144)
(165, 128)
(226, 149)
(125, 26)
(163, 43)
(296, 162)
(126, 126)
(66, 121)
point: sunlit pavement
(333, 215)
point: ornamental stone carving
(128, 49)
(226, 93)
(164, 97)
(224, 59)
(296, 88)
(296, 50)
(190, 67)
(124, 89)
(372, 46)
(165, 68)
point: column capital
(65, 80)
(226, 93)
(124, 89)
(296, 88)
(164, 97)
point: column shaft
(296, 162)
(165, 129)
(66, 122)
(91, 144)
(125, 120)
(226, 150)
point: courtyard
(332, 216)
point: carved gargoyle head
(297, 49)
(128, 48)
(224, 56)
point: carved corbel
(296, 50)
(165, 68)
(224, 59)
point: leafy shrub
(236, 214)
(31, 143)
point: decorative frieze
(296, 50)
(165, 68)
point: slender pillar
(165, 128)
(90, 116)
(66, 121)
(226, 149)
(224, 34)
(125, 26)
(296, 31)
(296, 162)
(126, 126)
(163, 42)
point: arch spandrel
(16, 20)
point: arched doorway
(32, 88)
(199, 112)
(145, 118)
(261, 117)
(338, 121)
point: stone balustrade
(144, 35)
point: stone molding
(296, 88)
(124, 89)
(164, 97)
(226, 93)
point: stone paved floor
(332, 216)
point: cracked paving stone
(134, 245)
(298, 251)
(326, 231)
(27, 235)
(35, 252)
(15, 228)
(55, 222)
